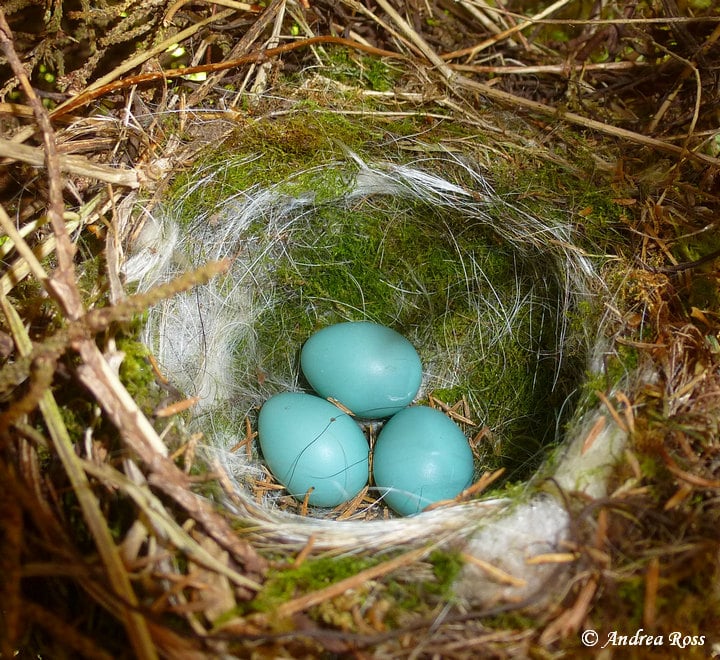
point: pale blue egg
(421, 457)
(369, 368)
(310, 443)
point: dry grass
(109, 545)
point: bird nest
(216, 183)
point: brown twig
(74, 164)
(525, 23)
(153, 76)
(98, 320)
(239, 50)
(62, 284)
(573, 118)
(686, 265)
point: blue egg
(420, 457)
(310, 443)
(370, 369)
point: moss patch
(136, 373)
(394, 597)
(285, 583)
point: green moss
(136, 373)
(264, 154)
(420, 596)
(76, 414)
(512, 620)
(701, 288)
(704, 292)
(446, 567)
(92, 276)
(617, 365)
(567, 194)
(360, 71)
(285, 583)
(631, 592)
(700, 5)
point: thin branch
(573, 118)
(527, 22)
(93, 92)
(73, 164)
(62, 283)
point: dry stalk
(652, 583)
(238, 51)
(495, 573)
(490, 17)
(690, 69)
(496, 38)
(102, 381)
(453, 81)
(32, 263)
(179, 4)
(416, 39)
(571, 619)
(62, 285)
(164, 525)
(91, 94)
(72, 164)
(261, 76)
(573, 118)
(559, 69)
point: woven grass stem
(73, 164)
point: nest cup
(493, 297)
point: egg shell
(308, 442)
(372, 370)
(421, 457)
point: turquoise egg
(310, 443)
(420, 457)
(369, 368)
